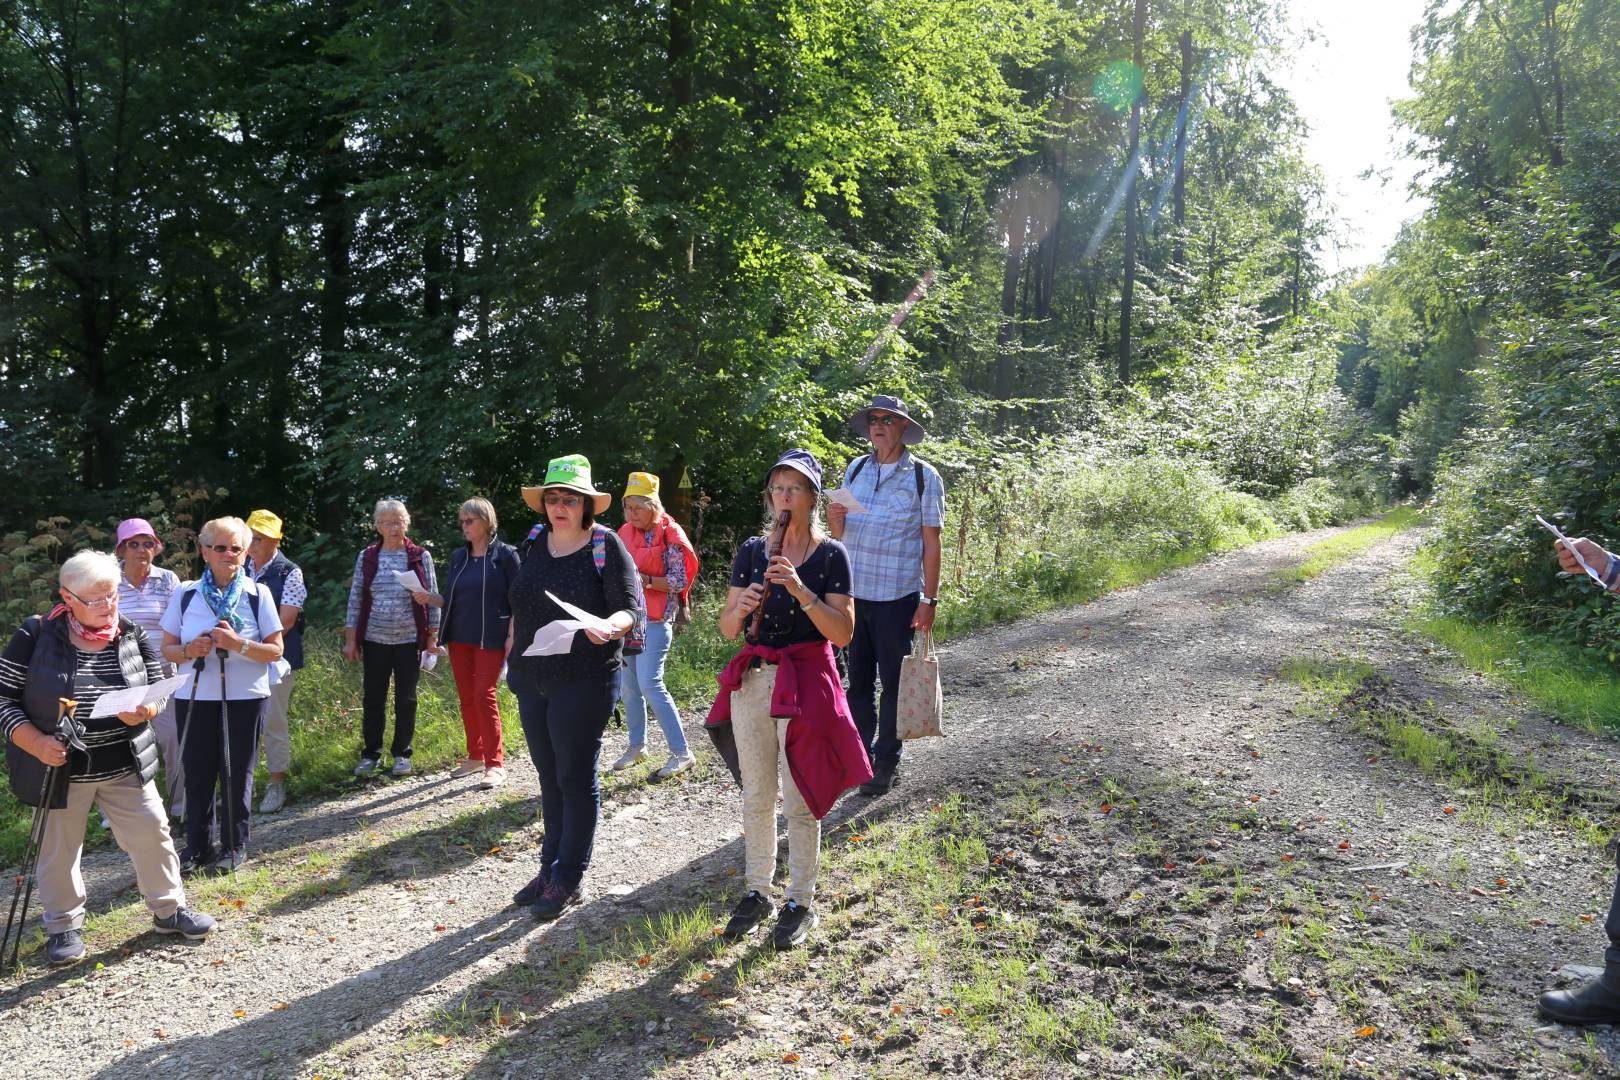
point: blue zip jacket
(499, 573)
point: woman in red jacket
(781, 692)
(667, 564)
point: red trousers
(477, 672)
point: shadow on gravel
(606, 1034)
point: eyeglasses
(885, 419)
(790, 490)
(224, 549)
(469, 520)
(140, 545)
(563, 500)
(106, 603)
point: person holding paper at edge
(391, 629)
(84, 649)
(1597, 1001)
(143, 597)
(565, 698)
(894, 553)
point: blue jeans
(563, 724)
(644, 687)
(882, 639)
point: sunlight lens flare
(1117, 85)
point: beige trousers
(277, 742)
(141, 828)
(762, 756)
(167, 730)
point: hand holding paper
(1569, 546)
(410, 581)
(121, 701)
(585, 619)
(554, 638)
(846, 498)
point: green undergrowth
(1326, 554)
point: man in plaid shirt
(893, 546)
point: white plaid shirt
(885, 542)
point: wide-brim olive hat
(571, 472)
(860, 422)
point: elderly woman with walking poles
(781, 695)
(391, 629)
(226, 627)
(667, 563)
(143, 597)
(474, 618)
(60, 759)
(566, 695)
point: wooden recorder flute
(777, 539)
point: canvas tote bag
(920, 707)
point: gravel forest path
(374, 929)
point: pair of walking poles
(22, 892)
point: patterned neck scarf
(222, 602)
(97, 633)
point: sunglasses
(226, 549)
(885, 420)
(469, 520)
(563, 500)
(140, 545)
(106, 603)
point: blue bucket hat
(802, 461)
(860, 421)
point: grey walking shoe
(402, 766)
(64, 948)
(367, 766)
(275, 797)
(191, 925)
(677, 764)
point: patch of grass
(1558, 678)
(1326, 554)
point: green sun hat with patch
(571, 472)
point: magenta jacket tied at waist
(824, 751)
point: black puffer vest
(50, 677)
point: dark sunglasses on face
(469, 520)
(562, 500)
(140, 545)
(886, 419)
(223, 549)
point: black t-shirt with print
(826, 572)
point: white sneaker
(677, 764)
(468, 767)
(402, 766)
(494, 777)
(275, 797)
(631, 756)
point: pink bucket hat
(136, 527)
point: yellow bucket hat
(263, 521)
(642, 485)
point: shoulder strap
(855, 469)
(528, 541)
(185, 601)
(599, 547)
(917, 465)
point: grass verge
(1326, 554)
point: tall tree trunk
(337, 234)
(1179, 255)
(1128, 287)
(682, 91)
(1012, 270)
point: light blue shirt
(885, 540)
(244, 678)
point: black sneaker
(526, 896)
(884, 777)
(554, 901)
(64, 948)
(794, 925)
(751, 910)
(224, 863)
(193, 863)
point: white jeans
(762, 756)
(141, 828)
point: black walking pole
(23, 889)
(197, 666)
(225, 744)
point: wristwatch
(243, 648)
(931, 601)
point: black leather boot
(1594, 1003)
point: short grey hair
(234, 526)
(88, 569)
(480, 507)
(651, 500)
(391, 506)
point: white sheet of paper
(585, 618)
(1591, 573)
(553, 638)
(846, 498)
(412, 583)
(133, 698)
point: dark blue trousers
(563, 724)
(204, 761)
(882, 639)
